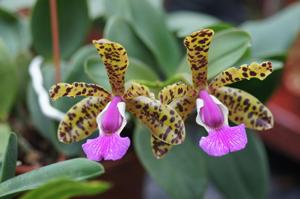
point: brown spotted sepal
(244, 108)
(232, 75)
(80, 121)
(159, 148)
(115, 59)
(163, 121)
(197, 45)
(77, 89)
(179, 96)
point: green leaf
(96, 8)
(274, 35)
(227, 48)
(75, 169)
(181, 173)
(137, 70)
(74, 72)
(186, 22)
(241, 174)
(8, 153)
(150, 25)
(64, 189)
(119, 30)
(8, 82)
(16, 5)
(73, 25)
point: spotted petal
(232, 75)
(136, 90)
(80, 121)
(179, 96)
(115, 59)
(159, 148)
(77, 89)
(197, 45)
(164, 122)
(244, 108)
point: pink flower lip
(211, 114)
(112, 119)
(224, 140)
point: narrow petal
(77, 89)
(114, 57)
(232, 75)
(197, 45)
(163, 121)
(107, 147)
(159, 148)
(180, 97)
(80, 121)
(136, 90)
(244, 108)
(222, 141)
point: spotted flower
(215, 102)
(106, 110)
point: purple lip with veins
(109, 145)
(222, 139)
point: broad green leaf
(75, 169)
(181, 173)
(241, 174)
(137, 70)
(186, 22)
(65, 188)
(46, 126)
(73, 22)
(8, 82)
(8, 153)
(150, 26)
(227, 48)
(119, 30)
(96, 8)
(15, 5)
(74, 71)
(275, 34)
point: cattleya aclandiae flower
(213, 100)
(107, 110)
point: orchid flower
(106, 110)
(215, 102)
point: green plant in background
(156, 60)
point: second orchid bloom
(106, 110)
(215, 102)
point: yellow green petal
(179, 96)
(77, 89)
(80, 121)
(197, 45)
(232, 75)
(164, 122)
(244, 108)
(136, 90)
(159, 148)
(114, 57)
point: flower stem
(55, 39)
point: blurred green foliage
(153, 40)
